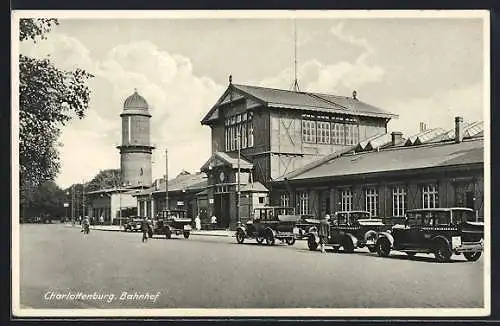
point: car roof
(444, 209)
(273, 207)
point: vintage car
(350, 230)
(133, 224)
(306, 225)
(270, 223)
(441, 231)
(168, 222)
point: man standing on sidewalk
(324, 231)
(144, 229)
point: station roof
(439, 154)
(279, 98)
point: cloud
(338, 78)
(178, 98)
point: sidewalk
(117, 228)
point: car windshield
(460, 216)
(354, 216)
(342, 218)
(428, 218)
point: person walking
(324, 231)
(197, 222)
(144, 229)
(213, 221)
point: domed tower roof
(135, 101)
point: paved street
(215, 272)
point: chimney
(459, 129)
(423, 127)
(397, 137)
(355, 95)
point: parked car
(306, 225)
(133, 224)
(441, 231)
(350, 230)
(174, 221)
(270, 223)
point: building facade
(389, 175)
(274, 132)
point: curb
(193, 233)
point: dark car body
(133, 224)
(306, 225)
(270, 223)
(441, 231)
(169, 222)
(350, 230)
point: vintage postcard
(251, 163)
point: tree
(105, 179)
(49, 97)
(46, 199)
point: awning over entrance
(226, 159)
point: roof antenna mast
(295, 81)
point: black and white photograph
(251, 163)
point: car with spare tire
(172, 222)
(349, 230)
(439, 231)
(270, 223)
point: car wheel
(290, 241)
(348, 246)
(150, 234)
(259, 239)
(472, 256)
(311, 243)
(270, 240)
(383, 247)
(442, 252)
(186, 235)
(240, 236)
(372, 249)
(168, 234)
(336, 248)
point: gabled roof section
(470, 151)
(279, 98)
(374, 142)
(225, 159)
(424, 136)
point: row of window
(240, 124)
(324, 132)
(430, 199)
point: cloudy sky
(423, 69)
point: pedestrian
(197, 222)
(144, 229)
(324, 231)
(101, 219)
(85, 226)
(213, 221)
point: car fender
(268, 229)
(315, 235)
(352, 238)
(167, 227)
(312, 229)
(368, 234)
(242, 229)
(440, 238)
(386, 235)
